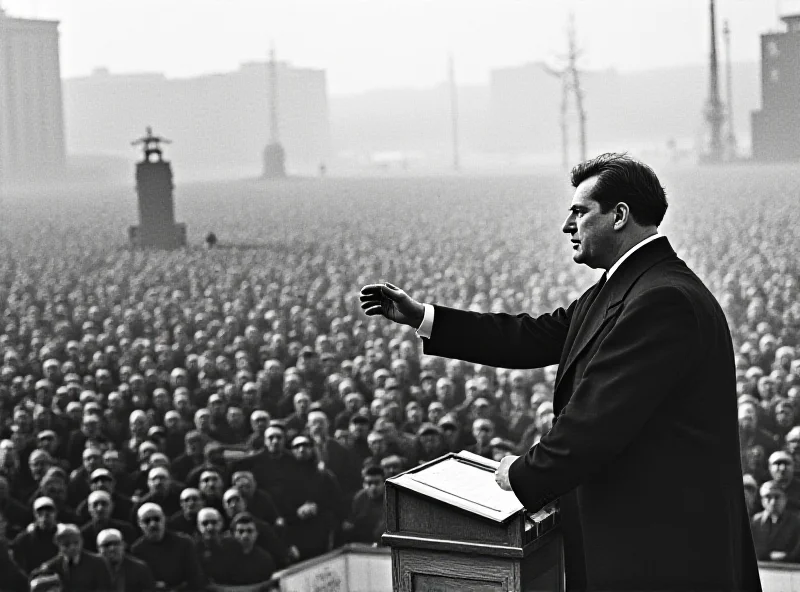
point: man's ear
(622, 214)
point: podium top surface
(463, 480)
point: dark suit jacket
(91, 573)
(644, 453)
(784, 536)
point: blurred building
(776, 127)
(218, 122)
(31, 116)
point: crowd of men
(207, 417)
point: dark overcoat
(644, 453)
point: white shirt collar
(630, 252)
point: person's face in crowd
(414, 413)
(245, 485)
(70, 547)
(755, 458)
(259, 423)
(774, 503)
(317, 424)
(250, 394)
(301, 403)
(112, 550)
(209, 524)
(392, 465)
(191, 502)
(234, 503)
(352, 401)
(766, 388)
(181, 403)
(374, 486)
(376, 407)
(38, 465)
(358, 430)
(444, 389)
(291, 384)
(45, 518)
(499, 454)
(202, 420)
(747, 417)
(481, 409)
(428, 387)
(275, 440)
(102, 483)
(377, 444)
(146, 450)
(23, 420)
(246, 534)
(153, 525)
(793, 442)
(55, 489)
(430, 442)
(784, 416)
(112, 461)
(161, 399)
(482, 431)
(158, 481)
(100, 509)
(782, 470)
(303, 451)
(210, 484)
(235, 418)
(435, 412)
(92, 459)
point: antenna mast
(274, 134)
(714, 115)
(730, 139)
(453, 110)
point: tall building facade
(32, 142)
(218, 122)
(776, 127)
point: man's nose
(569, 225)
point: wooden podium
(451, 528)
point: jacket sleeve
(500, 339)
(642, 359)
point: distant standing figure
(211, 240)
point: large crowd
(180, 420)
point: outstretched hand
(393, 303)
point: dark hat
(427, 429)
(307, 352)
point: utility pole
(730, 138)
(451, 75)
(274, 134)
(714, 115)
(574, 74)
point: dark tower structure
(714, 113)
(451, 79)
(776, 127)
(157, 228)
(274, 154)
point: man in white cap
(214, 550)
(79, 570)
(101, 507)
(35, 544)
(128, 574)
(185, 519)
(169, 555)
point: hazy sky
(367, 44)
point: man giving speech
(643, 455)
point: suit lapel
(609, 302)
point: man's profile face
(591, 230)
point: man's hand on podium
(501, 474)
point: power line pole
(575, 80)
(714, 115)
(274, 134)
(453, 110)
(730, 138)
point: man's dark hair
(621, 178)
(242, 518)
(373, 470)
